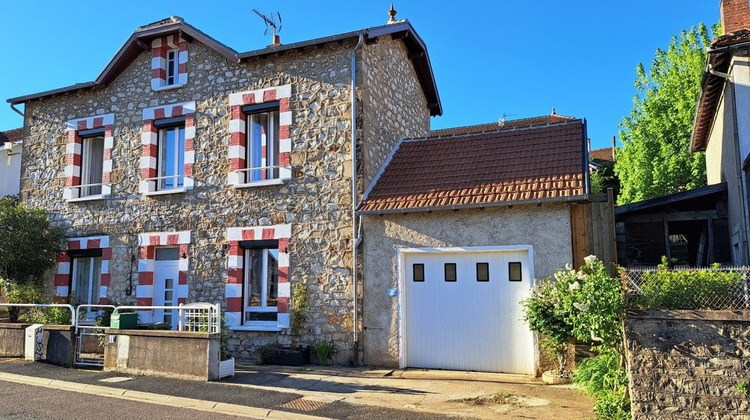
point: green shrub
(325, 351)
(267, 354)
(688, 289)
(603, 378)
(610, 406)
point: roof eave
(565, 199)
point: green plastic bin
(126, 321)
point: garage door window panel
(450, 272)
(514, 271)
(417, 272)
(483, 272)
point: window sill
(170, 87)
(166, 192)
(278, 181)
(251, 328)
(88, 198)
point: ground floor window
(86, 279)
(260, 284)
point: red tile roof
(519, 123)
(604, 154)
(481, 169)
(11, 136)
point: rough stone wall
(546, 228)
(687, 364)
(316, 202)
(394, 105)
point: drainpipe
(355, 233)
(736, 139)
(18, 111)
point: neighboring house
(599, 157)
(11, 144)
(190, 172)
(722, 121)
(457, 227)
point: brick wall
(735, 15)
(687, 364)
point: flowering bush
(585, 304)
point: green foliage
(742, 388)
(604, 178)
(655, 159)
(224, 340)
(29, 246)
(688, 289)
(298, 312)
(325, 351)
(586, 304)
(267, 354)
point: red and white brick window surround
(74, 149)
(161, 47)
(150, 145)
(238, 127)
(235, 264)
(64, 269)
(144, 291)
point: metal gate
(89, 347)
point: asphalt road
(26, 402)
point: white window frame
(92, 293)
(179, 182)
(272, 154)
(264, 308)
(172, 66)
(85, 188)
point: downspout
(355, 233)
(586, 175)
(736, 138)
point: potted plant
(226, 364)
(296, 354)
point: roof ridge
(499, 130)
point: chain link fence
(688, 288)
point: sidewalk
(331, 392)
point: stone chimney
(735, 15)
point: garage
(460, 309)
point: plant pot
(289, 357)
(226, 368)
(552, 377)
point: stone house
(722, 126)
(190, 172)
(457, 227)
(11, 144)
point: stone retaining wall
(688, 364)
(58, 343)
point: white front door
(461, 310)
(166, 279)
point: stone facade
(315, 201)
(688, 364)
(494, 226)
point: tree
(604, 178)
(655, 159)
(29, 246)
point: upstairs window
(172, 67)
(262, 142)
(92, 162)
(171, 162)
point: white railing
(87, 322)
(81, 186)
(195, 317)
(261, 168)
(45, 305)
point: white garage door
(461, 310)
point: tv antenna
(501, 120)
(271, 24)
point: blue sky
(518, 58)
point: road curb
(160, 399)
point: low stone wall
(688, 364)
(175, 354)
(58, 342)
